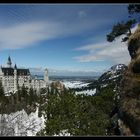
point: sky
(67, 39)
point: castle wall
(8, 83)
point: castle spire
(15, 78)
(9, 63)
(15, 67)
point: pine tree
(120, 29)
(1, 90)
(31, 95)
(124, 28)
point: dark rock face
(130, 103)
(129, 110)
(134, 43)
(58, 85)
(133, 47)
(136, 68)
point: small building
(13, 77)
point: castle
(13, 77)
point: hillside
(111, 109)
(112, 76)
(85, 114)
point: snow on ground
(105, 85)
(74, 84)
(79, 84)
(21, 124)
(113, 76)
(88, 92)
(63, 133)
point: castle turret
(9, 63)
(46, 77)
(15, 78)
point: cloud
(115, 52)
(24, 26)
(26, 34)
(82, 14)
(92, 47)
(34, 23)
(37, 71)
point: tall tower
(9, 63)
(15, 78)
(46, 78)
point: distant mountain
(109, 79)
(112, 76)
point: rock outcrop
(129, 111)
(58, 85)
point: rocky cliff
(129, 110)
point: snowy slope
(113, 74)
(79, 84)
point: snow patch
(103, 86)
(74, 84)
(114, 76)
(63, 133)
(88, 92)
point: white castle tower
(46, 78)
